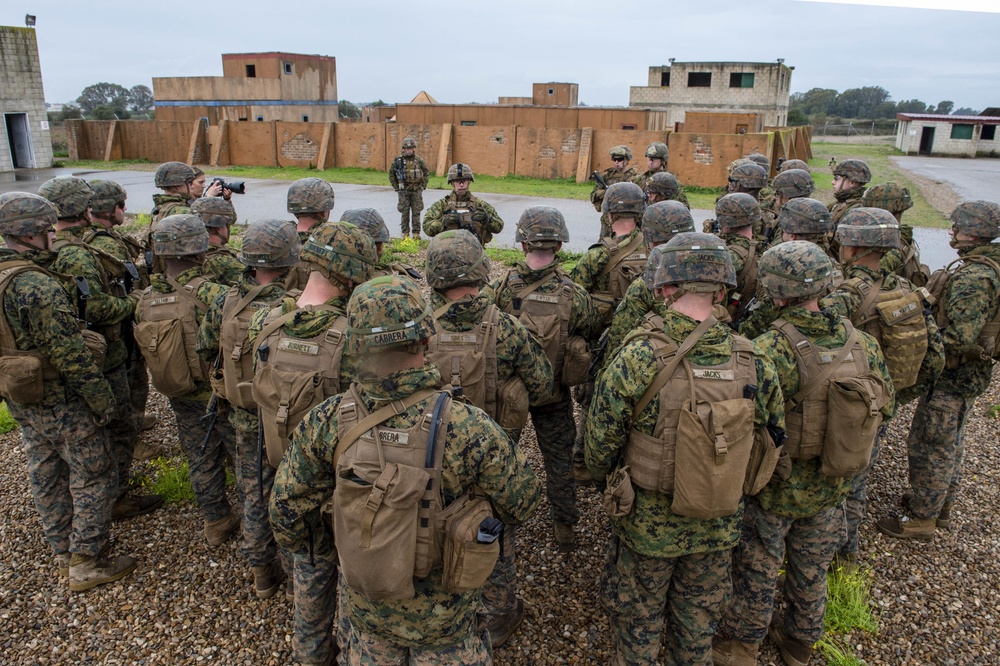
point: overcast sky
(477, 50)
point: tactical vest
(746, 281)
(294, 375)
(107, 266)
(627, 261)
(237, 361)
(413, 174)
(132, 250)
(22, 372)
(166, 332)
(468, 360)
(465, 210)
(988, 341)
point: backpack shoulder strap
(270, 328)
(618, 254)
(668, 370)
(806, 388)
(378, 416)
(870, 293)
(188, 290)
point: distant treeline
(819, 105)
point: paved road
(971, 178)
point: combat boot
(131, 506)
(735, 653)
(88, 571)
(220, 531)
(944, 516)
(267, 578)
(502, 627)
(844, 562)
(905, 527)
(793, 652)
(62, 561)
(565, 537)
(406, 234)
(147, 422)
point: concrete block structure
(287, 87)
(25, 142)
(732, 87)
(959, 136)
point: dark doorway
(926, 140)
(19, 138)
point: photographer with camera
(217, 188)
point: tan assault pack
(837, 410)
(916, 273)
(746, 281)
(166, 331)
(234, 383)
(988, 342)
(627, 262)
(296, 375)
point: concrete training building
(26, 143)
(934, 134)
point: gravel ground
(190, 604)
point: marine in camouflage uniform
(176, 180)
(657, 156)
(663, 186)
(71, 471)
(370, 221)
(434, 627)
(746, 177)
(849, 180)
(667, 575)
(220, 261)
(311, 201)
(409, 175)
(736, 216)
(965, 311)
(796, 518)
(462, 210)
(905, 259)
(621, 172)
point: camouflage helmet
(805, 216)
(460, 171)
(979, 219)
(695, 258)
(868, 227)
(664, 219)
(455, 258)
(70, 195)
(760, 160)
(408, 142)
(749, 176)
(657, 151)
(735, 163)
(624, 198)
(388, 314)
(173, 174)
(270, 244)
(541, 227)
(341, 249)
(107, 194)
(793, 184)
(889, 196)
(310, 195)
(855, 170)
(180, 236)
(621, 151)
(737, 210)
(796, 269)
(788, 165)
(24, 214)
(215, 212)
(369, 221)
(652, 264)
(665, 184)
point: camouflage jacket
(518, 352)
(642, 180)
(639, 300)
(122, 248)
(894, 259)
(42, 316)
(611, 176)
(651, 528)
(168, 204)
(434, 224)
(477, 452)
(105, 311)
(590, 265)
(807, 491)
(410, 165)
(221, 261)
(845, 202)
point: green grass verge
(403, 250)
(848, 608)
(7, 422)
(170, 479)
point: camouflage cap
(621, 151)
(658, 150)
(664, 219)
(455, 258)
(460, 171)
(980, 219)
(369, 221)
(541, 227)
(665, 184)
(695, 257)
(760, 160)
(796, 269)
(70, 195)
(749, 176)
(788, 165)
(855, 170)
(793, 184)
(270, 244)
(173, 174)
(342, 249)
(868, 227)
(625, 198)
(388, 314)
(310, 195)
(24, 214)
(215, 212)
(180, 236)
(805, 216)
(408, 142)
(737, 210)
(889, 196)
(107, 194)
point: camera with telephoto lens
(236, 187)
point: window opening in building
(288, 68)
(305, 118)
(468, 123)
(989, 133)
(260, 119)
(961, 131)
(665, 79)
(243, 120)
(552, 91)
(628, 127)
(741, 80)
(251, 73)
(699, 79)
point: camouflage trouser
(122, 430)
(556, 430)
(811, 543)
(582, 395)
(206, 464)
(500, 591)
(315, 603)
(138, 386)
(856, 503)
(649, 598)
(365, 649)
(71, 473)
(411, 202)
(257, 545)
(935, 448)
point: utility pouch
(97, 345)
(853, 416)
(284, 398)
(162, 345)
(21, 378)
(512, 405)
(576, 362)
(467, 562)
(619, 495)
(763, 461)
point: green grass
(703, 197)
(402, 250)
(170, 479)
(7, 422)
(848, 609)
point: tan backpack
(236, 379)
(912, 270)
(293, 376)
(166, 331)
(746, 281)
(626, 263)
(988, 342)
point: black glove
(480, 217)
(452, 221)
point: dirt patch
(939, 195)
